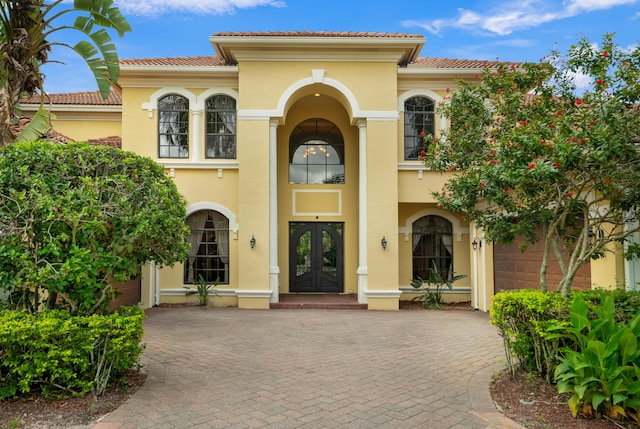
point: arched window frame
(411, 152)
(154, 99)
(209, 252)
(173, 126)
(319, 146)
(432, 247)
(220, 126)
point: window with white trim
(209, 248)
(316, 153)
(432, 244)
(220, 127)
(419, 121)
(173, 126)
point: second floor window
(316, 153)
(418, 122)
(221, 127)
(173, 127)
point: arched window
(173, 126)
(221, 127)
(432, 240)
(419, 121)
(209, 250)
(316, 153)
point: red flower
(484, 185)
(523, 122)
(559, 113)
(531, 166)
(447, 90)
(506, 189)
(578, 101)
(542, 142)
(592, 123)
(492, 151)
(569, 194)
(605, 54)
(422, 133)
(600, 82)
(607, 180)
(556, 164)
(500, 90)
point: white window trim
(455, 222)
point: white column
(362, 212)
(274, 269)
(195, 138)
(476, 271)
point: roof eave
(235, 48)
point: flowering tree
(537, 158)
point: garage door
(129, 293)
(514, 269)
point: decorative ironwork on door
(316, 257)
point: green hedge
(523, 318)
(62, 355)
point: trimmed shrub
(58, 354)
(523, 319)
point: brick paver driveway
(233, 368)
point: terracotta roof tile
(316, 34)
(202, 61)
(78, 98)
(451, 63)
(212, 61)
(51, 135)
(113, 141)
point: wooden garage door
(129, 294)
(514, 269)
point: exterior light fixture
(252, 242)
(383, 243)
(317, 94)
(476, 243)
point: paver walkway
(233, 368)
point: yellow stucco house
(297, 154)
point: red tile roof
(55, 137)
(202, 61)
(451, 63)
(113, 141)
(213, 61)
(317, 34)
(92, 98)
(50, 136)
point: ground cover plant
(585, 344)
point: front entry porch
(323, 301)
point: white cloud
(510, 16)
(213, 7)
(577, 6)
(580, 80)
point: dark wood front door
(316, 257)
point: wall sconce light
(383, 243)
(476, 243)
(595, 235)
(252, 242)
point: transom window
(173, 126)
(209, 250)
(316, 153)
(418, 122)
(432, 239)
(221, 127)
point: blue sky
(524, 30)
